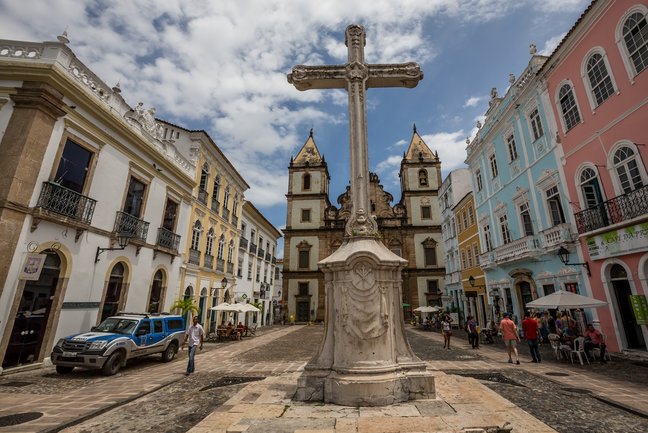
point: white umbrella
(565, 299)
(427, 309)
(236, 308)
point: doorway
(302, 311)
(33, 313)
(622, 292)
(114, 292)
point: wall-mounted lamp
(563, 254)
(471, 280)
(122, 240)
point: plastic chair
(579, 350)
(596, 351)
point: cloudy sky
(221, 65)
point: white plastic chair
(579, 350)
(596, 351)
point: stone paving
(575, 403)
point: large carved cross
(357, 76)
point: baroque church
(409, 227)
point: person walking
(530, 329)
(196, 335)
(510, 336)
(473, 336)
(446, 330)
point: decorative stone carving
(146, 119)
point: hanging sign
(32, 267)
(640, 308)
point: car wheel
(62, 369)
(169, 353)
(113, 364)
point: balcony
(261, 252)
(556, 236)
(220, 265)
(268, 257)
(60, 200)
(616, 210)
(167, 239)
(226, 213)
(202, 196)
(243, 243)
(516, 250)
(194, 257)
(487, 260)
(209, 261)
(274, 260)
(452, 278)
(253, 248)
(132, 226)
(215, 205)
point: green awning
(406, 305)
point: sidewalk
(627, 393)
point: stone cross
(356, 77)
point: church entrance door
(302, 311)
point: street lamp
(471, 280)
(122, 240)
(563, 254)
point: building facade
(596, 87)
(411, 228)
(93, 202)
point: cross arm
(394, 75)
(318, 77)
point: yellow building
(475, 300)
(208, 275)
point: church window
(303, 289)
(306, 181)
(423, 177)
(493, 165)
(536, 125)
(304, 258)
(478, 178)
(635, 37)
(305, 215)
(429, 252)
(568, 107)
(512, 148)
(433, 286)
(426, 212)
(599, 78)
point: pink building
(597, 84)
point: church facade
(410, 227)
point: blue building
(522, 204)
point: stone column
(36, 110)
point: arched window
(216, 192)
(210, 242)
(306, 181)
(635, 37)
(226, 198)
(114, 291)
(221, 247)
(591, 188)
(235, 205)
(195, 236)
(599, 78)
(568, 106)
(423, 177)
(627, 169)
(157, 289)
(204, 173)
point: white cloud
(551, 44)
(451, 147)
(473, 101)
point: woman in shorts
(447, 331)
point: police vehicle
(117, 339)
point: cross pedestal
(364, 358)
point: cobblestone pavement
(150, 396)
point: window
(590, 188)
(548, 289)
(429, 251)
(249, 270)
(463, 260)
(504, 229)
(423, 177)
(572, 287)
(204, 173)
(464, 220)
(253, 236)
(433, 286)
(627, 169)
(493, 165)
(170, 213)
(478, 178)
(635, 36)
(470, 257)
(157, 287)
(243, 229)
(221, 247)
(216, 190)
(426, 212)
(210, 242)
(239, 268)
(230, 252)
(157, 326)
(305, 215)
(555, 206)
(306, 181)
(525, 217)
(599, 78)
(570, 113)
(512, 148)
(476, 253)
(195, 236)
(303, 289)
(134, 197)
(471, 215)
(226, 197)
(73, 167)
(536, 125)
(257, 277)
(235, 204)
(487, 238)
(304, 259)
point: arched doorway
(188, 295)
(622, 291)
(114, 291)
(202, 303)
(33, 314)
(157, 292)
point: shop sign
(640, 308)
(620, 242)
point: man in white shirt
(195, 334)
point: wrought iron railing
(618, 209)
(194, 256)
(58, 199)
(226, 213)
(215, 205)
(220, 265)
(168, 239)
(261, 252)
(268, 257)
(253, 248)
(131, 226)
(202, 196)
(208, 262)
(243, 243)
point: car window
(157, 326)
(175, 324)
(117, 325)
(144, 328)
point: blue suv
(117, 339)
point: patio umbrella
(565, 299)
(427, 309)
(226, 307)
